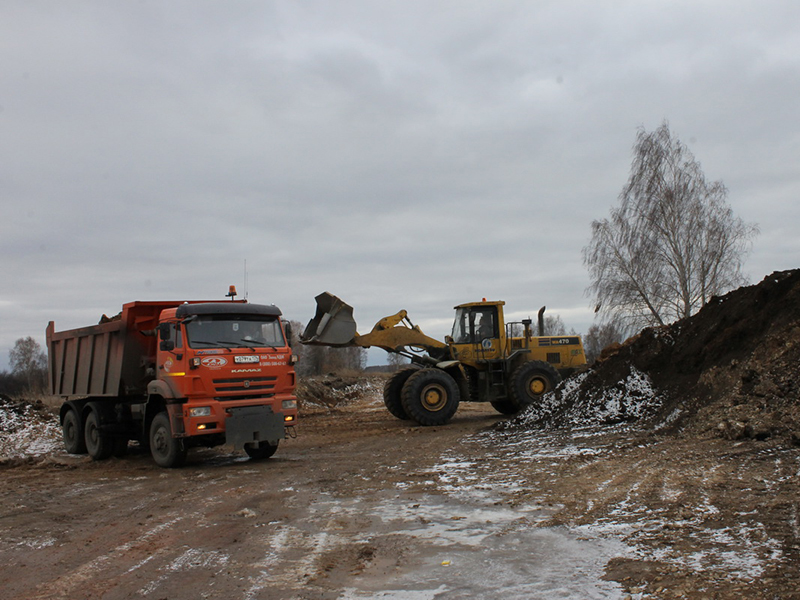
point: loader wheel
(99, 445)
(530, 381)
(260, 451)
(392, 393)
(505, 407)
(73, 433)
(167, 451)
(430, 397)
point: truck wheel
(99, 445)
(392, 393)
(530, 381)
(430, 397)
(167, 451)
(261, 451)
(73, 433)
(504, 407)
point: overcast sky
(398, 154)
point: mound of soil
(329, 391)
(732, 369)
(27, 428)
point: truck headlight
(289, 405)
(200, 411)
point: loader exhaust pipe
(332, 325)
(541, 321)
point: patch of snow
(574, 404)
(26, 432)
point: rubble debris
(332, 390)
(28, 428)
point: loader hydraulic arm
(333, 325)
(396, 333)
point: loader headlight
(289, 405)
(200, 411)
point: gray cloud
(402, 155)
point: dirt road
(362, 505)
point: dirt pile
(326, 392)
(733, 370)
(28, 428)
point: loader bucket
(332, 325)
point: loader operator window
(484, 325)
(461, 326)
(229, 331)
(473, 325)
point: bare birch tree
(602, 335)
(29, 362)
(671, 244)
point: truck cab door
(171, 358)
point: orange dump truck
(173, 375)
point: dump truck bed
(108, 359)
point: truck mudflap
(253, 424)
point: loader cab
(478, 330)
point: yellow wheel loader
(485, 359)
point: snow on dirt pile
(579, 402)
(733, 370)
(26, 429)
(329, 391)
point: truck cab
(226, 368)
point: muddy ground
(668, 470)
(362, 505)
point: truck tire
(430, 397)
(392, 392)
(530, 381)
(99, 445)
(261, 451)
(504, 407)
(72, 432)
(166, 450)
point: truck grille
(243, 387)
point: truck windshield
(230, 331)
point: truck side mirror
(287, 327)
(165, 335)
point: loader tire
(99, 445)
(392, 393)
(166, 450)
(530, 381)
(71, 430)
(430, 397)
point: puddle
(455, 549)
